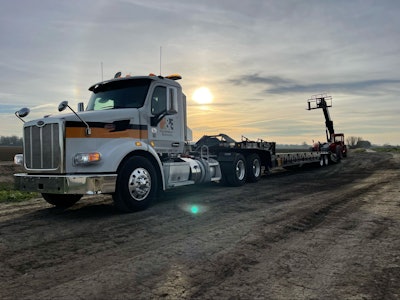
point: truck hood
(100, 116)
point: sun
(202, 96)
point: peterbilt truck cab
(130, 141)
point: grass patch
(358, 150)
(8, 194)
(387, 149)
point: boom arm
(323, 101)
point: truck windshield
(119, 94)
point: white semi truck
(132, 141)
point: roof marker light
(174, 77)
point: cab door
(165, 128)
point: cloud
(261, 59)
(358, 87)
(257, 79)
(281, 85)
(7, 108)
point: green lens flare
(194, 209)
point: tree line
(357, 142)
(10, 141)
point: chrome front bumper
(66, 184)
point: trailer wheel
(344, 151)
(326, 160)
(234, 172)
(136, 185)
(339, 153)
(335, 157)
(253, 163)
(61, 200)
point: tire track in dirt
(279, 239)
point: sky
(261, 61)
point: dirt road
(322, 233)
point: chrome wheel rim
(256, 168)
(240, 170)
(139, 184)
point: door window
(159, 100)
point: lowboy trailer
(132, 141)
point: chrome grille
(42, 148)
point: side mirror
(63, 105)
(172, 107)
(22, 113)
(172, 102)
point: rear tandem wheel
(234, 172)
(253, 163)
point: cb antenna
(160, 58)
(101, 69)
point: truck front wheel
(136, 185)
(61, 200)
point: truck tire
(234, 172)
(253, 163)
(136, 185)
(344, 151)
(61, 200)
(324, 160)
(337, 155)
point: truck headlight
(86, 158)
(19, 159)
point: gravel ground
(314, 233)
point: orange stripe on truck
(80, 132)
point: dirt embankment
(7, 152)
(7, 169)
(323, 233)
